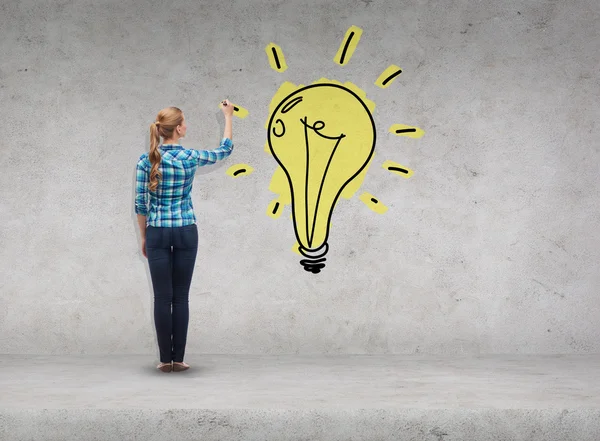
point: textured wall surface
(492, 246)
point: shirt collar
(171, 146)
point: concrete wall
(491, 246)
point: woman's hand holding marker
(227, 108)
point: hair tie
(156, 123)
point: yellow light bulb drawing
(322, 136)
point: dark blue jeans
(171, 255)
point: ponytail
(166, 122)
(155, 157)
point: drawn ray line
(398, 169)
(404, 130)
(348, 46)
(373, 203)
(276, 57)
(239, 169)
(391, 77)
(387, 76)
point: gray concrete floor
(302, 382)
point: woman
(168, 227)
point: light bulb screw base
(315, 259)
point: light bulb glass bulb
(322, 136)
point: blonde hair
(166, 122)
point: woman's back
(171, 202)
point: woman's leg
(158, 249)
(185, 249)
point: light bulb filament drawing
(317, 127)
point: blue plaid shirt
(171, 203)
